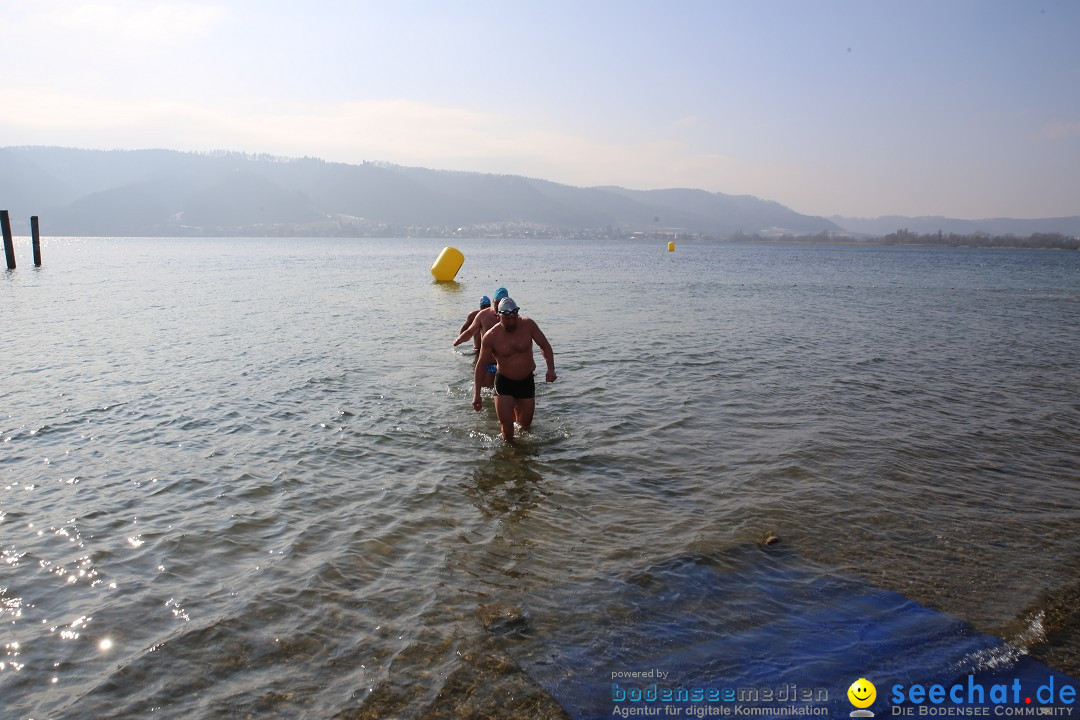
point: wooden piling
(35, 236)
(9, 245)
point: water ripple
(254, 487)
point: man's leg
(523, 409)
(504, 410)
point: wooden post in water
(9, 246)
(35, 235)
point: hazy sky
(944, 107)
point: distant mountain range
(167, 193)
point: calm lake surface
(242, 478)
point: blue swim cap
(501, 293)
(485, 301)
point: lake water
(242, 477)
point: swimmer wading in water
(510, 345)
(478, 323)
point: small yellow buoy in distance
(447, 264)
(671, 247)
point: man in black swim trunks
(510, 344)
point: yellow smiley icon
(862, 693)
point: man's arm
(545, 349)
(474, 327)
(482, 361)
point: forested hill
(164, 193)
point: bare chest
(509, 344)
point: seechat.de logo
(862, 694)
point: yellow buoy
(671, 247)
(448, 263)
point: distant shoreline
(879, 243)
(1044, 241)
(904, 238)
